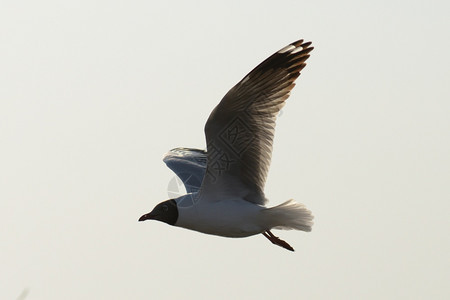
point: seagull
(225, 184)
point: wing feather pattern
(189, 165)
(239, 132)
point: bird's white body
(233, 217)
(236, 217)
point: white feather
(289, 215)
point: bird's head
(166, 212)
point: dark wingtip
(306, 45)
(297, 43)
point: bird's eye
(165, 208)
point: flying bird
(225, 184)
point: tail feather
(289, 215)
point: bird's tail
(289, 215)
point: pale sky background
(93, 93)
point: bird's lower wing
(189, 165)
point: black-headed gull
(225, 184)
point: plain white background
(93, 93)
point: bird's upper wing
(189, 165)
(239, 132)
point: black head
(166, 212)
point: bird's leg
(276, 240)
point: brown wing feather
(239, 131)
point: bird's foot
(277, 241)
